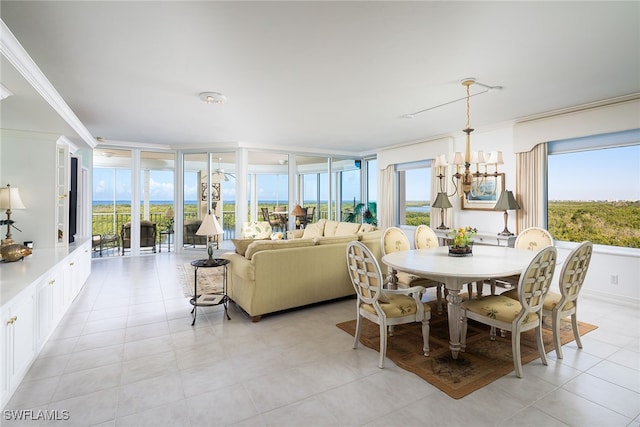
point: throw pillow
(366, 228)
(314, 230)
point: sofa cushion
(314, 230)
(265, 245)
(241, 245)
(335, 239)
(330, 228)
(346, 228)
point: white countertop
(17, 276)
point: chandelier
(467, 183)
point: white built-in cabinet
(18, 340)
(35, 295)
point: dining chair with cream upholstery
(426, 238)
(384, 307)
(395, 240)
(532, 239)
(517, 316)
(557, 306)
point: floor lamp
(506, 202)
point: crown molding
(11, 49)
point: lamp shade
(442, 201)
(457, 158)
(495, 158)
(210, 226)
(298, 211)
(169, 213)
(506, 202)
(10, 198)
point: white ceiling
(317, 76)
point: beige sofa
(265, 276)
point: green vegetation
(417, 218)
(602, 223)
(368, 213)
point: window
(593, 189)
(414, 193)
(111, 191)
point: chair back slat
(574, 272)
(536, 278)
(364, 271)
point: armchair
(189, 233)
(147, 235)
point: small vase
(460, 251)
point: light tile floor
(126, 354)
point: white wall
(29, 163)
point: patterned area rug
(483, 362)
(209, 279)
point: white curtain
(386, 200)
(531, 170)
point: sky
(610, 174)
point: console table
(481, 238)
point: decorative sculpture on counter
(14, 252)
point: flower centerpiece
(461, 243)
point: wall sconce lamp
(209, 227)
(506, 202)
(10, 199)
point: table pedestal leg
(454, 301)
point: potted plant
(461, 241)
(368, 212)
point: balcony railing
(111, 223)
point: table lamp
(209, 227)
(442, 202)
(10, 199)
(506, 202)
(299, 212)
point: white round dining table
(487, 262)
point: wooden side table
(217, 298)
